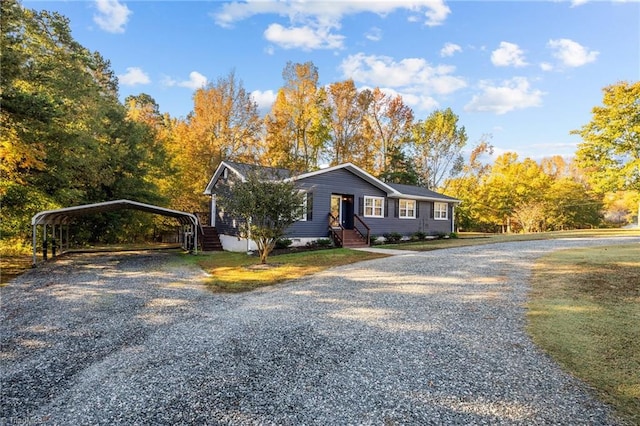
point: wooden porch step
(210, 239)
(353, 240)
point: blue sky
(527, 73)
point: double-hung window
(373, 206)
(407, 209)
(440, 211)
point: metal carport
(65, 216)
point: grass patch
(237, 272)
(584, 310)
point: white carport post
(35, 244)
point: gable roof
(353, 169)
(422, 193)
(393, 190)
(243, 170)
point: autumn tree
(610, 147)
(570, 205)
(467, 186)
(224, 125)
(438, 142)
(514, 188)
(266, 209)
(297, 127)
(348, 125)
(390, 121)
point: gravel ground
(428, 338)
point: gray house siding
(423, 222)
(319, 188)
(338, 182)
(343, 182)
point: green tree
(266, 209)
(610, 148)
(438, 142)
(64, 136)
(400, 168)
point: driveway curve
(423, 338)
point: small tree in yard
(266, 208)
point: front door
(342, 210)
(347, 211)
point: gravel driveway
(429, 338)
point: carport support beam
(44, 241)
(35, 245)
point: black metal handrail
(364, 234)
(337, 232)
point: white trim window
(303, 207)
(373, 206)
(407, 209)
(440, 211)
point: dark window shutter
(417, 208)
(386, 207)
(361, 206)
(433, 207)
(309, 196)
(396, 208)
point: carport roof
(65, 215)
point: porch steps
(210, 239)
(353, 240)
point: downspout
(453, 218)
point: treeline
(66, 139)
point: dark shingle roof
(269, 173)
(419, 191)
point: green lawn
(236, 272)
(584, 310)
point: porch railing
(362, 228)
(336, 232)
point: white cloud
(264, 99)
(374, 34)
(510, 95)
(414, 100)
(571, 53)
(316, 21)
(112, 15)
(305, 37)
(196, 81)
(449, 49)
(413, 75)
(434, 12)
(134, 76)
(575, 3)
(508, 54)
(546, 66)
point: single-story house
(342, 202)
